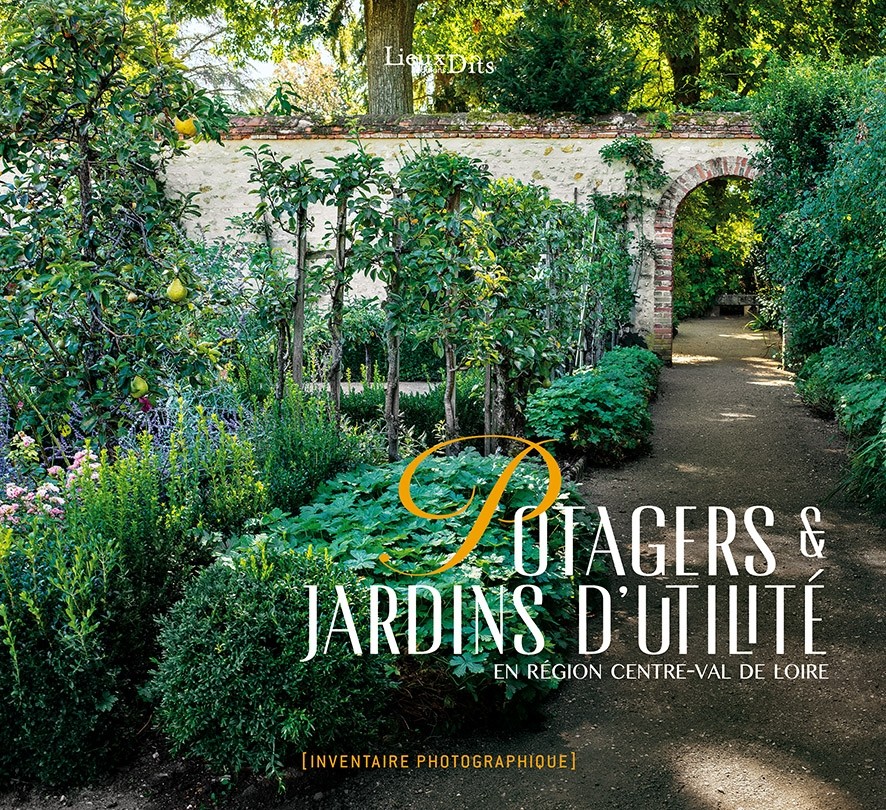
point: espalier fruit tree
(93, 265)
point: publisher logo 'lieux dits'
(438, 62)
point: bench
(732, 301)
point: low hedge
(230, 684)
(601, 412)
(421, 413)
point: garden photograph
(442, 404)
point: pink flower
(19, 405)
(56, 512)
(14, 491)
(54, 471)
(145, 403)
(26, 440)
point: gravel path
(730, 432)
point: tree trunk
(392, 396)
(92, 348)
(499, 406)
(336, 310)
(488, 416)
(389, 26)
(449, 396)
(298, 304)
(282, 331)
(686, 68)
(84, 182)
(393, 340)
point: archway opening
(715, 256)
(663, 287)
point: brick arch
(663, 283)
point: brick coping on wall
(474, 125)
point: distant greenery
(559, 62)
(819, 202)
(421, 413)
(714, 240)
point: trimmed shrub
(420, 413)
(299, 445)
(230, 684)
(602, 411)
(57, 675)
(632, 367)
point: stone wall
(562, 154)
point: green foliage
(867, 472)
(824, 224)
(716, 54)
(558, 62)
(849, 382)
(122, 502)
(476, 30)
(846, 382)
(445, 246)
(91, 557)
(442, 237)
(421, 413)
(818, 198)
(299, 444)
(358, 515)
(214, 482)
(823, 373)
(633, 367)
(364, 351)
(602, 411)
(713, 242)
(230, 684)
(566, 287)
(87, 125)
(645, 170)
(56, 674)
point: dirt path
(731, 432)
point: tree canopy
(692, 50)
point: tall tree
(389, 32)
(266, 27)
